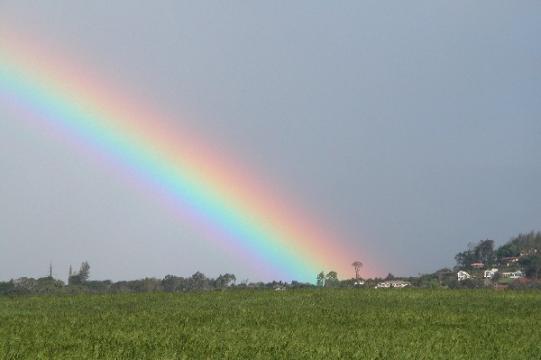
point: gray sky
(413, 127)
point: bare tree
(357, 265)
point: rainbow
(206, 188)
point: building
(513, 274)
(462, 275)
(477, 265)
(489, 274)
(510, 260)
(392, 284)
(528, 252)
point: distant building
(510, 260)
(359, 283)
(392, 284)
(528, 252)
(489, 274)
(477, 265)
(462, 275)
(513, 274)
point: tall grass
(301, 324)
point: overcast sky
(412, 127)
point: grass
(301, 324)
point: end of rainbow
(221, 199)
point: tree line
(521, 252)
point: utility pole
(51, 269)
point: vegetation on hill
(522, 246)
(522, 252)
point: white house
(528, 252)
(392, 284)
(399, 284)
(462, 275)
(489, 274)
(510, 260)
(513, 274)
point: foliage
(526, 247)
(483, 251)
(531, 265)
(321, 279)
(84, 272)
(331, 279)
(523, 243)
(82, 276)
(250, 324)
(357, 265)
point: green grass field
(300, 324)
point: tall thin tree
(357, 265)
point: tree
(25, 285)
(465, 258)
(199, 281)
(225, 280)
(172, 283)
(484, 252)
(48, 285)
(525, 244)
(6, 287)
(507, 250)
(321, 279)
(531, 265)
(84, 272)
(81, 277)
(331, 279)
(357, 265)
(443, 275)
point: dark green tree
(82, 276)
(321, 279)
(331, 279)
(484, 252)
(199, 281)
(84, 271)
(224, 281)
(465, 258)
(531, 265)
